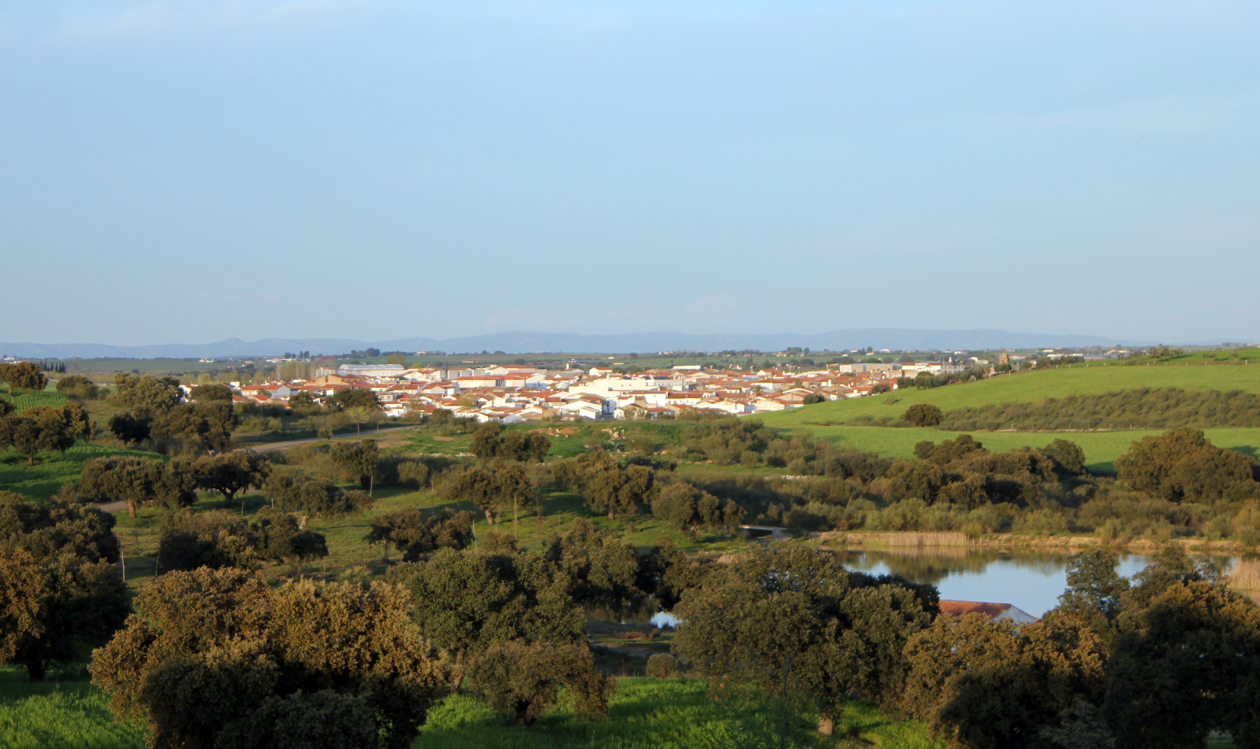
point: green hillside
(1101, 448)
(1029, 387)
(869, 423)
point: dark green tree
(357, 460)
(689, 509)
(216, 658)
(130, 429)
(923, 415)
(1182, 464)
(282, 539)
(416, 534)
(468, 602)
(1188, 667)
(302, 400)
(212, 539)
(212, 393)
(136, 481)
(78, 386)
(81, 596)
(146, 396)
(792, 620)
(987, 685)
(525, 679)
(230, 473)
(1094, 588)
(313, 498)
(23, 376)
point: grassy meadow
(56, 714)
(1028, 387)
(51, 470)
(869, 423)
(1101, 448)
(644, 713)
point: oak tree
(216, 658)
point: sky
(196, 170)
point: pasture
(1101, 448)
(644, 713)
(871, 423)
(1026, 387)
(51, 470)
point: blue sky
(189, 171)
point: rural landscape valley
(626, 374)
(668, 578)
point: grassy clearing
(58, 714)
(656, 713)
(1030, 387)
(51, 470)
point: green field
(51, 470)
(868, 423)
(1101, 448)
(31, 399)
(1027, 387)
(660, 714)
(58, 714)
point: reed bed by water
(1245, 575)
(942, 540)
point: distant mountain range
(520, 342)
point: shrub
(78, 386)
(923, 415)
(663, 666)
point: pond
(1032, 581)
(1028, 580)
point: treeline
(1178, 484)
(1141, 408)
(1162, 660)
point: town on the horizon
(616, 387)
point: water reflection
(1032, 581)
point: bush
(414, 474)
(923, 415)
(78, 386)
(663, 666)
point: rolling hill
(872, 423)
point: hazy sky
(189, 171)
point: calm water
(1030, 581)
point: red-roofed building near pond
(998, 612)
